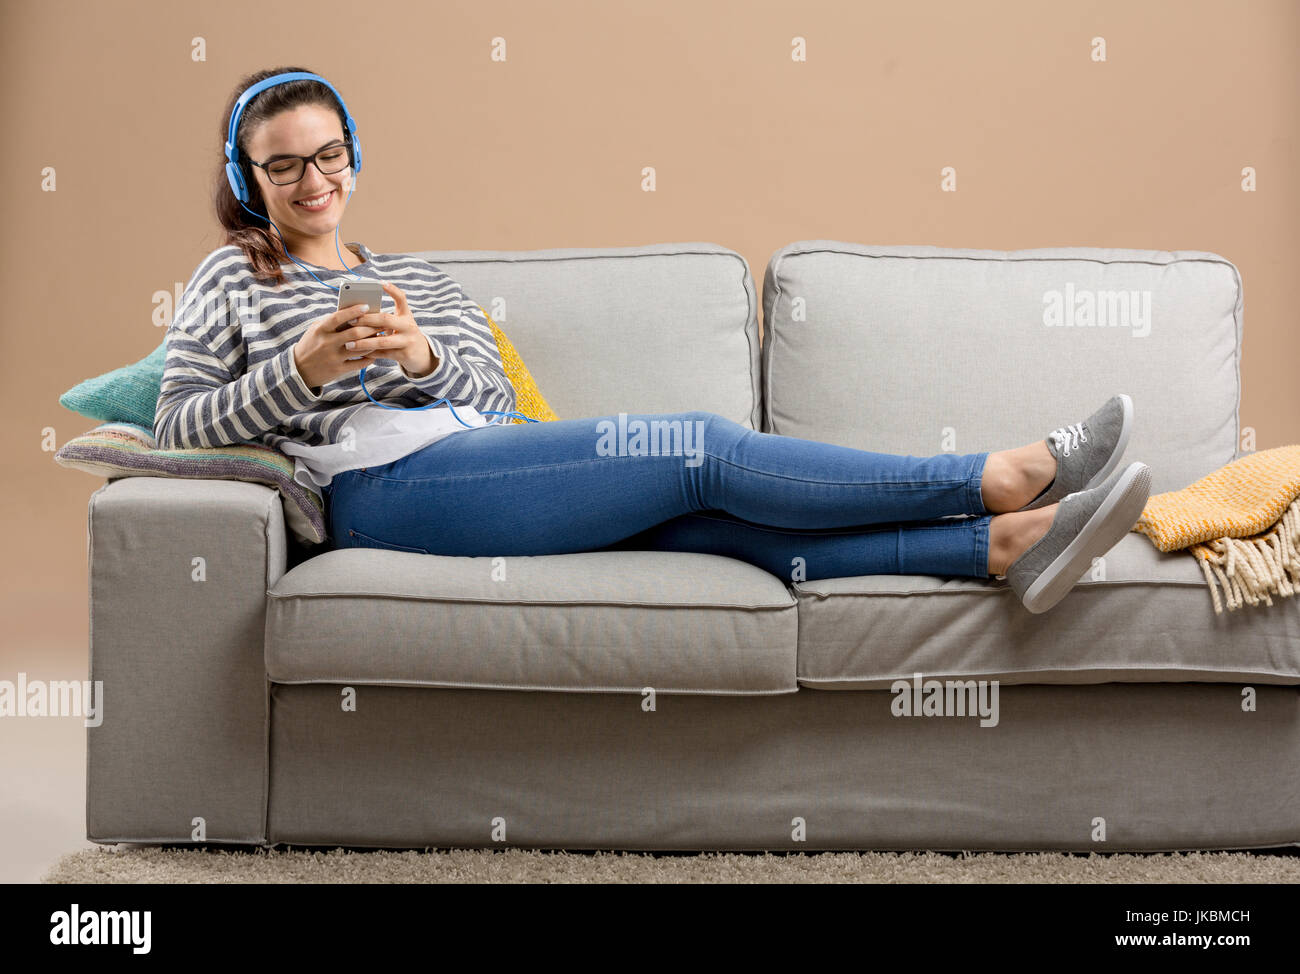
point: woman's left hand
(401, 339)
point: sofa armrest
(178, 576)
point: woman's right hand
(319, 353)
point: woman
(257, 352)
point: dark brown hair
(259, 242)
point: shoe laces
(1069, 437)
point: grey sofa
(667, 701)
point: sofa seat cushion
(583, 622)
(1138, 616)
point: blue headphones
(235, 175)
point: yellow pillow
(528, 398)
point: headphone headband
(234, 172)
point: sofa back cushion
(661, 328)
(924, 350)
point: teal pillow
(125, 395)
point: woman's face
(301, 131)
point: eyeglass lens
(331, 159)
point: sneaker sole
(1105, 529)
(1117, 454)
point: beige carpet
(151, 864)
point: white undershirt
(374, 436)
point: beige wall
(752, 151)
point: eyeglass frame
(286, 156)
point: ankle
(1000, 482)
(1012, 534)
(1013, 478)
(999, 544)
(1039, 467)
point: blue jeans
(796, 508)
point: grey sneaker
(1087, 524)
(1087, 452)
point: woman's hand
(399, 337)
(320, 353)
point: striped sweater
(230, 376)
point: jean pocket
(366, 541)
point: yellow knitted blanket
(1242, 523)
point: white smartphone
(361, 292)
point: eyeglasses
(285, 169)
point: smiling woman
(264, 350)
(296, 160)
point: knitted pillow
(125, 395)
(129, 450)
(528, 398)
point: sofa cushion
(662, 328)
(590, 621)
(1137, 616)
(923, 350)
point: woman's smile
(321, 202)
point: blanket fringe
(1249, 569)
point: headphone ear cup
(236, 180)
(356, 155)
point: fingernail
(350, 345)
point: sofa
(648, 700)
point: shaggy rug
(161, 864)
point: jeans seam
(867, 528)
(965, 481)
(961, 481)
(982, 546)
(974, 480)
(463, 476)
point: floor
(45, 607)
(43, 765)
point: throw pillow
(129, 450)
(528, 398)
(125, 395)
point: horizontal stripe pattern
(230, 376)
